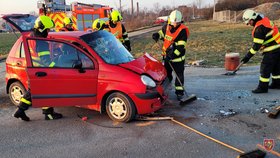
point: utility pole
(137, 9)
(193, 10)
(132, 7)
(214, 10)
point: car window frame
(93, 60)
(21, 50)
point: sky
(26, 6)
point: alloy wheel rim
(117, 108)
(16, 94)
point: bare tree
(157, 8)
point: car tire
(16, 92)
(120, 107)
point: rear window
(22, 23)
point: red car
(92, 70)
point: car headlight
(148, 81)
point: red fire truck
(82, 14)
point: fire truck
(82, 14)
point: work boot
(262, 88)
(21, 114)
(275, 84)
(180, 96)
(259, 90)
(51, 115)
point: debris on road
(159, 118)
(228, 113)
(273, 101)
(274, 113)
(196, 62)
(264, 110)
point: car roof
(75, 34)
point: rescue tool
(187, 98)
(274, 113)
(257, 153)
(234, 72)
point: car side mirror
(78, 65)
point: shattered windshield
(108, 47)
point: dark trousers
(179, 70)
(23, 105)
(271, 65)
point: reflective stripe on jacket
(272, 38)
(170, 37)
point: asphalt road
(244, 126)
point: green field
(209, 41)
(6, 42)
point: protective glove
(127, 46)
(155, 36)
(170, 52)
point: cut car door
(61, 74)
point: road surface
(218, 95)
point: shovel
(234, 72)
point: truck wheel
(120, 107)
(16, 92)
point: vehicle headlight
(148, 81)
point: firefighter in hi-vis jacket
(115, 26)
(266, 38)
(67, 25)
(42, 26)
(174, 36)
(98, 24)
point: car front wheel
(120, 107)
(16, 92)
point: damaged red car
(92, 70)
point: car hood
(147, 65)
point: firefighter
(115, 26)
(98, 24)
(67, 25)
(42, 26)
(267, 39)
(174, 35)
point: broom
(187, 98)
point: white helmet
(175, 16)
(249, 15)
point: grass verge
(208, 41)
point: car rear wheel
(16, 92)
(120, 107)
